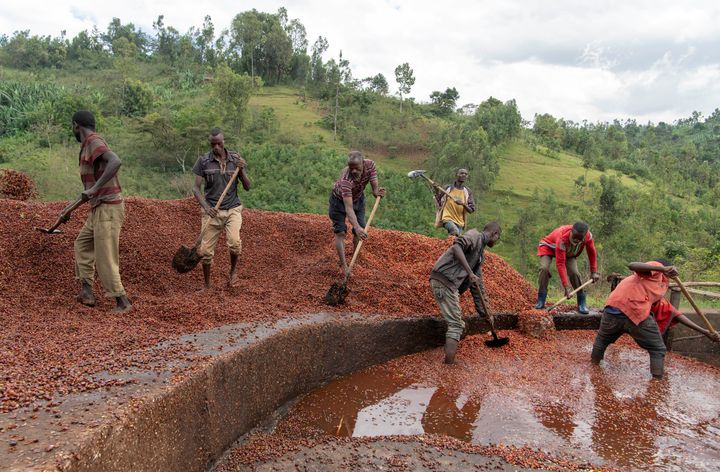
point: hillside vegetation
(647, 190)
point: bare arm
(687, 322)
(197, 193)
(112, 165)
(359, 230)
(460, 257)
(244, 179)
(376, 189)
(643, 268)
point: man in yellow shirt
(452, 212)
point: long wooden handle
(487, 312)
(367, 227)
(65, 214)
(694, 305)
(563, 299)
(436, 185)
(217, 205)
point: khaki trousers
(98, 246)
(449, 303)
(229, 221)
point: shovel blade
(185, 259)
(336, 294)
(499, 342)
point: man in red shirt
(666, 316)
(627, 310)
(565, 244)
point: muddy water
(540, 393)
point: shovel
(563, 299)
(413, 174)
(495, 341)
(337, 292)
(186, 258)
(63, 218)
(694, 305)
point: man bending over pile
(458, 269)
(627, 310)
(347, 200)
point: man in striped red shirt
(347, 200)
(97, 246)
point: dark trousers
(646, 335)
(570, 265)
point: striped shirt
(91, 169)
(347, 186)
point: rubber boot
(657, 367)
(541, 300)
(582, 306)
(451, 346)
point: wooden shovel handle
(436, 185)
(694, 305)
(563, 299)
(65, 214)
(367, 227)
(217, 205)
(487, 312)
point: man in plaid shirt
(347, 200)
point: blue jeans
(452, 228)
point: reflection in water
(606, 415)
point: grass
(298, 117)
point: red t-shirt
(635, 294)
(664, 314)
(557, 244)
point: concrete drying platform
(238, 375)
(184, 414)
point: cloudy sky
(597, 60)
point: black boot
(541, 300)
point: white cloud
(651, 60)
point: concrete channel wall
(189, 426)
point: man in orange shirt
(627, 310)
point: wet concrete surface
(384, 455)
(613, 415)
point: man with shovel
(454, 204)
(97, 245)
(565, 244)
(347, 201)
(458, 269)
(214, 169)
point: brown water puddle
(614, 415)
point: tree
(378, 84)
(444, 103)
(500, 120)
(247, 34)
(317, 67)
(340, 72)
(233, 92)
(405, 79)
(464, 144)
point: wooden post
(675, 296)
